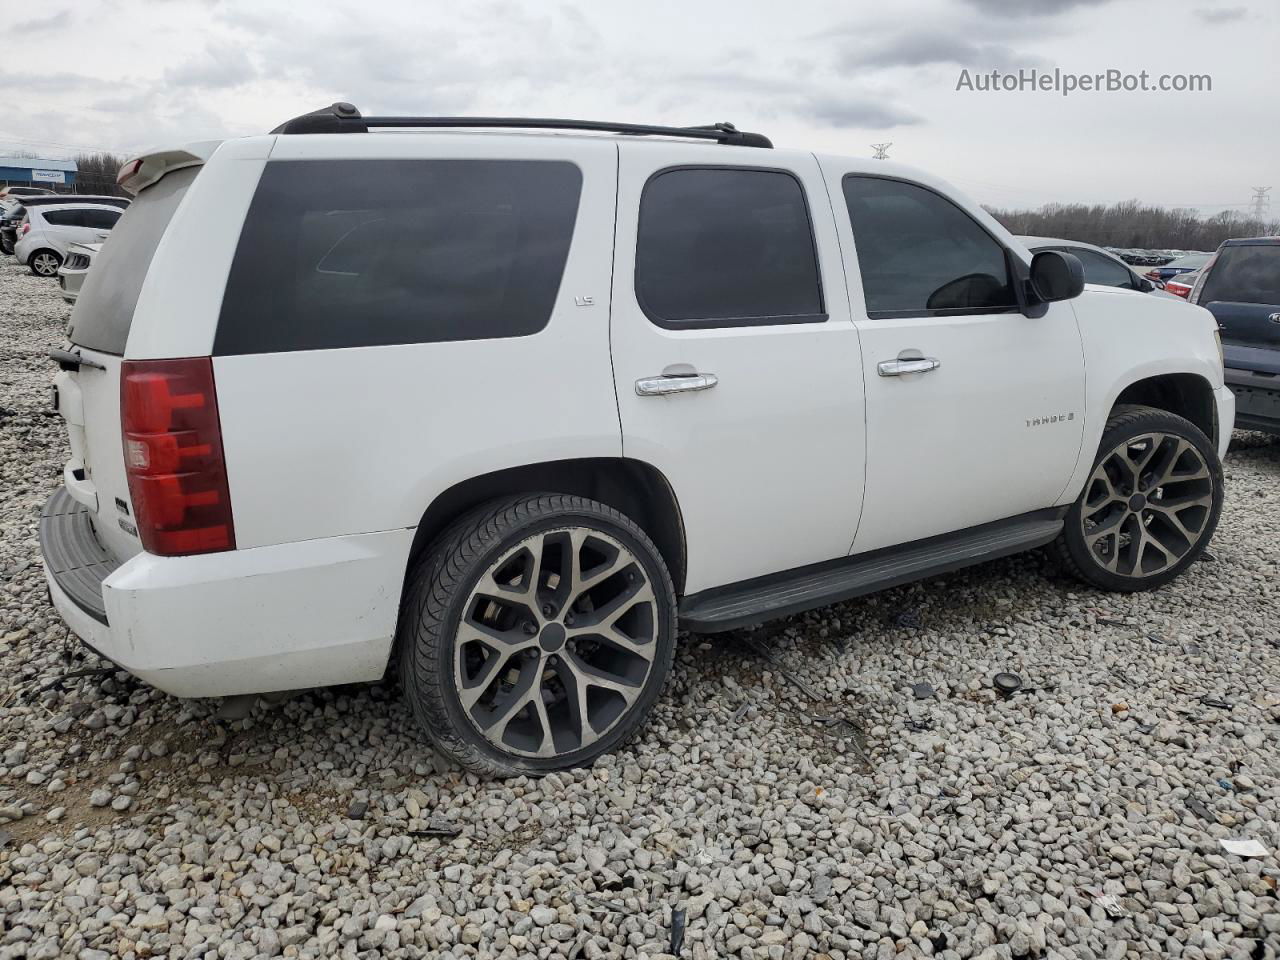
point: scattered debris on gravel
(1093, 815)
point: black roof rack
(345, 118)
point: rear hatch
(88, 391)
(1242, 291)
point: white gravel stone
(976, 827)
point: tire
(498, 656)
(44, 263)
(1125, 536)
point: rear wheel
(1150, 505)
(45, 263)
(536, 634)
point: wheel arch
(632, 487)
(1188, 395)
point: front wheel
(1150, 506)
(536, 634)
(45, 263)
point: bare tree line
(1133, 224)
(95, 172)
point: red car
(1181, 284)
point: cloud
(54, 21)
(48, 82)
(857, 112)
(218, 67)
(1222, 15)
(920, 49)
(1031, 8)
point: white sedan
(74, 267)
(48, 232)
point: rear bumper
(284, 617)
(1257, 398)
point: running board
(752, 601)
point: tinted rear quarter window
(725, 246)
(356, 253)
(104, 309)
(1245, 274)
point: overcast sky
(836, 76)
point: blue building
(37, 172)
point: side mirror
(1056, 276)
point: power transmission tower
(1261, 202)
(882, 151)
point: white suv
(510, 406)
(48, 232)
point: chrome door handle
(898, 368)
(678, 383)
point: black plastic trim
(793, 591)
(74, 557)
(345, 118)
(718, 323)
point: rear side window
(64, 218)
(921, 255)
(724, 246)
(358, 253)
(103, 218)
(1245, 274)
(104, 310)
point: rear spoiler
(141, 172)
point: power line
(26, 142)
(882, 150)
(1261, 202)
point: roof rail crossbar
(345, 118)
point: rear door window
(358, 253)
(64, 218)
(721, 246)
(103, 218)
(1244, 274)
(104, 309)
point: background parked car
(1240, 286)
(74, 267)
(12, 212)
(1100, 266)
(1182, 284)
(1183, 264)
(11, 215)
(47, 233)
(24, 192)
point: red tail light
(173, 456)
(26, 228)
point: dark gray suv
(1241, 287)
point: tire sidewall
(1135, 424)
(445, 638)
(44, 252)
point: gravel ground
(1079, 819)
